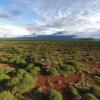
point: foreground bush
(95, 91)
(34, 70)
(54, 95)
(89, 96)
(3, 76)
(26, 83)
(22, 82)
(77, 65)
(52, 72)
(68, 69)
(38, 94)
(6, 95)
(74, 95)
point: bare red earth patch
(59, 83)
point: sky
(74, 17)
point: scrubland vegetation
(49, 70)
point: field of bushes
(49, 70)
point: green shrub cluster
(6, 95)
(52, 72)
(91, 93)
(71, 66)
(74, 95)
(3, 76)
(89, 96)
(13, 60)
(22, 82)
(32, 69)
(95, 91)
(54, 95)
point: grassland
(49, 70)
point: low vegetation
(49, 70)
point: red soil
(59, 83)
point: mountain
(61, 35)
(55, 36)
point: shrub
(52, 72)
(95, 91)
(21, 82)
(34, 70)
(3, 76)
(74, 93)
(26, 83)
(20, 73)
(97, 79)
(68, 69)
(16, 60)
(77, 65)
(37, 94)
(12, 82)
(4, 59)
(11, 60)
(54, 95)
(30, 66)
(22, 62)
(89, 96)
(6, 95)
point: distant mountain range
(55, 36)
(62, 35)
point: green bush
(73, 91)
(89, 96)
(95, 91)
(37, 94)
(6, 95)
(68, 69)
(11, 60)
(26, 83)
(74, 95)
(97, 79)
(54, 95)
(3, 76)
(19, 73)
(16, 60)
(3, 59)
(77, 65)
(32, 69)
(6, 71)
(52, 72)
(21, 82)
(12, 82)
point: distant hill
(61, 35)
(55, 36)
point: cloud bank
(80, 17)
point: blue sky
(24, 17)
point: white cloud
(81, 17)
(12, 31)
